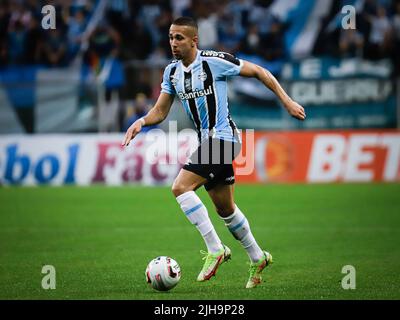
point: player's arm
(156, 115)
(255, 71)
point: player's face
(182, 40)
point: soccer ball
(163, 273)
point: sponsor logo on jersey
(210, 53)
(195, 94)
(188, 84)
(223, 55)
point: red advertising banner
(331, 156)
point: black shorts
(213, 160)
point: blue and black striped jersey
(202, 88)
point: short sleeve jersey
(202, 89)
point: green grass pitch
(100, 240)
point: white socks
(197, 214)
(240, 229)
(237, 224)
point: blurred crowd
(24, 41)
(137, 29)
(376, 36)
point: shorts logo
(230, 178)
(211, 175)
(203, 76)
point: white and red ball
(163, 273)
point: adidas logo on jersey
(195, 94)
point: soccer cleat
(213, 261)
(256, 269)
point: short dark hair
(185, 21)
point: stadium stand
(111, 51)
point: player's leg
(238, 225)
(235, 220)
(184, 188)
(187, 181)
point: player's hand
(131, 133)
(295, 110)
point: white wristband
(142, 121)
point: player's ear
(195, 41)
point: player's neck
(190, 58)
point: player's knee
(179, 188)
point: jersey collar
(190, 66)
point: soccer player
(199, 79)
